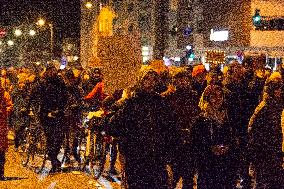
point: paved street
(20, 177)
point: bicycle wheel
(35, 153)
(81, 149)
(25, 148)
(98, 161)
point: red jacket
(5, 108)
(97, 92)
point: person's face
(201, 77)
(216, 99)
(150, 82)
(96, 75)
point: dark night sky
(65, 14)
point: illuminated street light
(10, 43)
(88, 5)
(41, 22)
(32, 32)
(75, 58)
(18, 32)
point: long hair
(206, 107)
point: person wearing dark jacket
(73, 114)
(213, 142)
(184, 103)
(53, 98)
(236, 98)
(144, 126)
(265, 135)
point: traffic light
(190, 54)
(257, 18)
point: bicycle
(33, 149)
(92, 148)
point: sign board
(215, 57)
(219, 35)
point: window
(144, 22)
(130, 7)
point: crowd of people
(216, 125)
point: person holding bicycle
(94, 98)
(73, 114)
(52, 100)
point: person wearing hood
(144, 126)
(184, 103)
(53, 98)
(266, 136)
(213, 142)
(96, 95)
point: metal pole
(51, 39)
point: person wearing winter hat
(266, 136)
(145, 125)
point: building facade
(225, 25)
(229, 26)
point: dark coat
(265, 134)
(236, 102)
(265, 144)
(144, 127)
(214, 170)
(185, 107)
(53, 96)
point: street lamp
(32, 32)
(41, 23)
(88, 5)
(18, 32)
(10, 43)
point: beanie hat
(197, 70)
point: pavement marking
(52, 185)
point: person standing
(184, 103)
(265, 135)
(145, 127)
(5, 108)
(53, 97)
(213, 142)
(73, 115)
